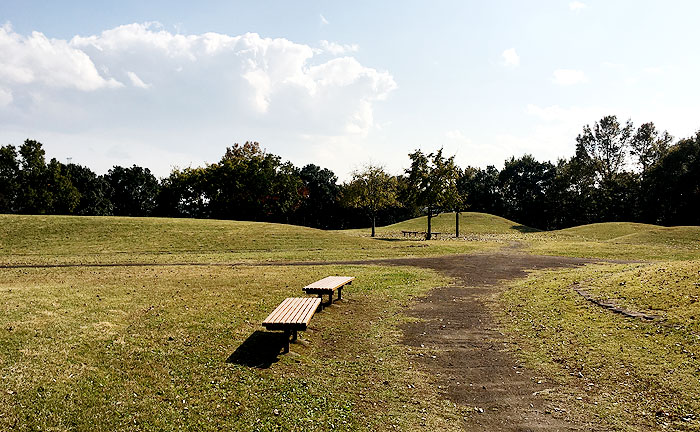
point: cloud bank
(142, 77)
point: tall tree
(320, 194)
(649, 145)
(371, 189)
(185, 193)
(433, 179)
(525, 184)
(481, 187)
(94, 191)
(9, 179)
(672, 186)
(605, 145)
(251, 184)
(134, 190)
(64, 197)
(33, 195)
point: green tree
(605, 146)
(9, 179)
(649, 145)
(433, 180)
(320, 194)
(134, 190)
(33, 196)
(672, 185)
(525, 184)
(64, 197)
(371, 189)
(251, 184)
(94, 190)
(481, 187)
(185, 193)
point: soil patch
(472, 362)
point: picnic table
(328, 285)
(291, 316)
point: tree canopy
(618, 173)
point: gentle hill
(469, 223)
(106, 239)
(637, 233)
(620, 240)
(684, 236)
(606, 230)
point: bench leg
(339, 290)
(286, 341)
(294, 335)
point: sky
(171, 84)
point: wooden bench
(327, 286)
(416, 233)
(292, 315)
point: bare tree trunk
(457, 224)
(373, 225)
(430, 216)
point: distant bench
(328, 285)
(417, 233)
(292, 315)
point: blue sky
(166, 83)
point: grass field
(629, 373)
(175, 342)
(91, 240)
(166, 348)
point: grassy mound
(620, 240)
(92, 239)
(469, 223)
(681, 236)
(606, 231)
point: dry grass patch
(171, 348)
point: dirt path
(472, 362)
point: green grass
(128, 348)
(470, 223)
(171, 347)
(618, 240)
(626, 373)
(89, 240)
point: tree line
(618, 173)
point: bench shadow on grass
(260, 350)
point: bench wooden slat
(303, 315)
(286, 313)
(293, 312)
(329, 283)
(279, 311)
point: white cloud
(577, 6)
(233, 87)
(136, 81)
(567, 77)
(51, 62)
(324, 21)
(337, 49)
(510, 57)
